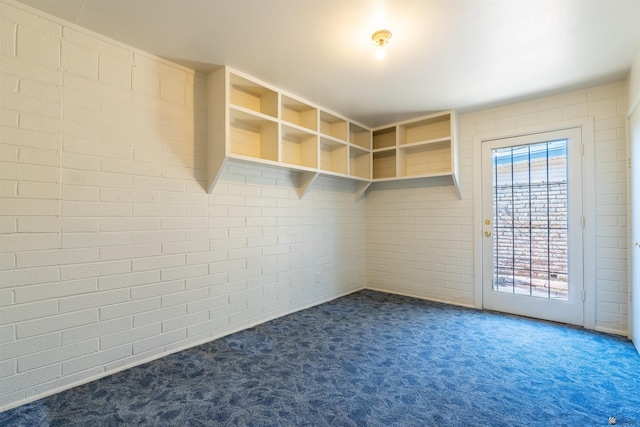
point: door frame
(633, 153)
(588, 199)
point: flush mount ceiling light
(380, 39)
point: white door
(634, 175)
(532, 224)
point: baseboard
(407, 294)
(611, 331)
(173, 351)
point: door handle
(636, 244)
(487, 233)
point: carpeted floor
(369, 359)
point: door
(634, 179)
(532, 262)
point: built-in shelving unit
(252, 121)
(424, 147)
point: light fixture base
(381, 37)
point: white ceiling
(443, 54)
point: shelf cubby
(359, 136)
(299, 113)
(359, 163)
(252, 96)
(298, 147)
(427, 129)
(384, 138)
(252, 136)
(384, 164)
(425, 159)
(333, 126)
(333, 156)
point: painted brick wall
(111, 252)
(420, 239)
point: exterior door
(532, 224)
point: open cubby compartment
(384, 138)
(359, 136)
(299, 113)
(425, 159)
(298, 147)
(359, 163)
(384, 164)
(426, 129)
(252, 136)
(333, 156)
(333, 126)
(252, 96)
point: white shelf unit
(424, 147)
(255, 122)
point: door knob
(637, 244)
(487, 233)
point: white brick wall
(111, 252)
(420, 240)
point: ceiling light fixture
(380, 39)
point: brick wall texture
(112, 253)
(530, 223)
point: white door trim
(588, 200)
(633, 137)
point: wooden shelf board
(425, 142)
(242, 113)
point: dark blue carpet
(369, 359)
